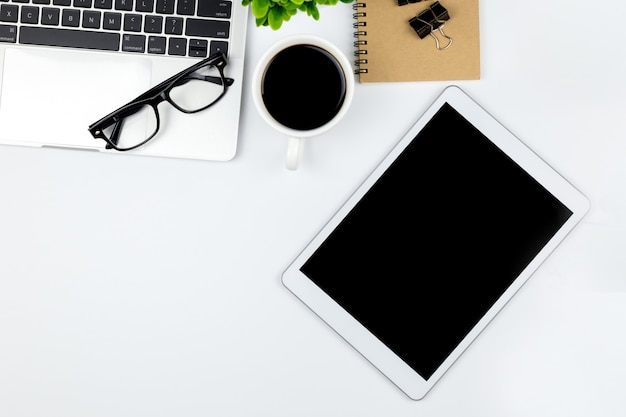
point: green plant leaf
(286, 14)
(312, 10)
(275, 17)
(260, 8)
(273, 13)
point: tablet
(434, 242)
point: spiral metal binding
(359, 34)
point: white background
(140, 286)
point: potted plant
(273, 13)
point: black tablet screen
(436, 241)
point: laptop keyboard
(193, 28)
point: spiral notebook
(388, 49)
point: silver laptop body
(67, 63)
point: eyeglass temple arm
(117, 128)
(209, 78)
(217, 80)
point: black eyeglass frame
(156, 95)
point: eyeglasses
(190, 91)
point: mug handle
(294, 151)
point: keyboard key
(186, 7)
(153, 24)
(8, 13)
(69, 38)
(112, 21)
(8, 33)
(165, 6)
(61, 2)
(198, 48)
(174, 25)
(156, 45)
(126, 5)
(177, 46)
(82, 3)
(30, 15)
(91, 19)
(207, 28)
(41, 2)
(70, 18)
(50, 16)
(144, 6)
(214, 8)
(132, 22)
(219, 46)
(103, 4)
(134, 43)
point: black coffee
(303, 87)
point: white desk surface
(139, 286)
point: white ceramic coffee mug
(302, 86)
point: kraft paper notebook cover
(392, 51)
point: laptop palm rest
(50, 97)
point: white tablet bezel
(394, 368)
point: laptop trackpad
(51, 97)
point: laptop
(67, 63)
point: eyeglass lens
(139, 124)
(198, 90)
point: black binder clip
(405, 2)
(432, 20)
